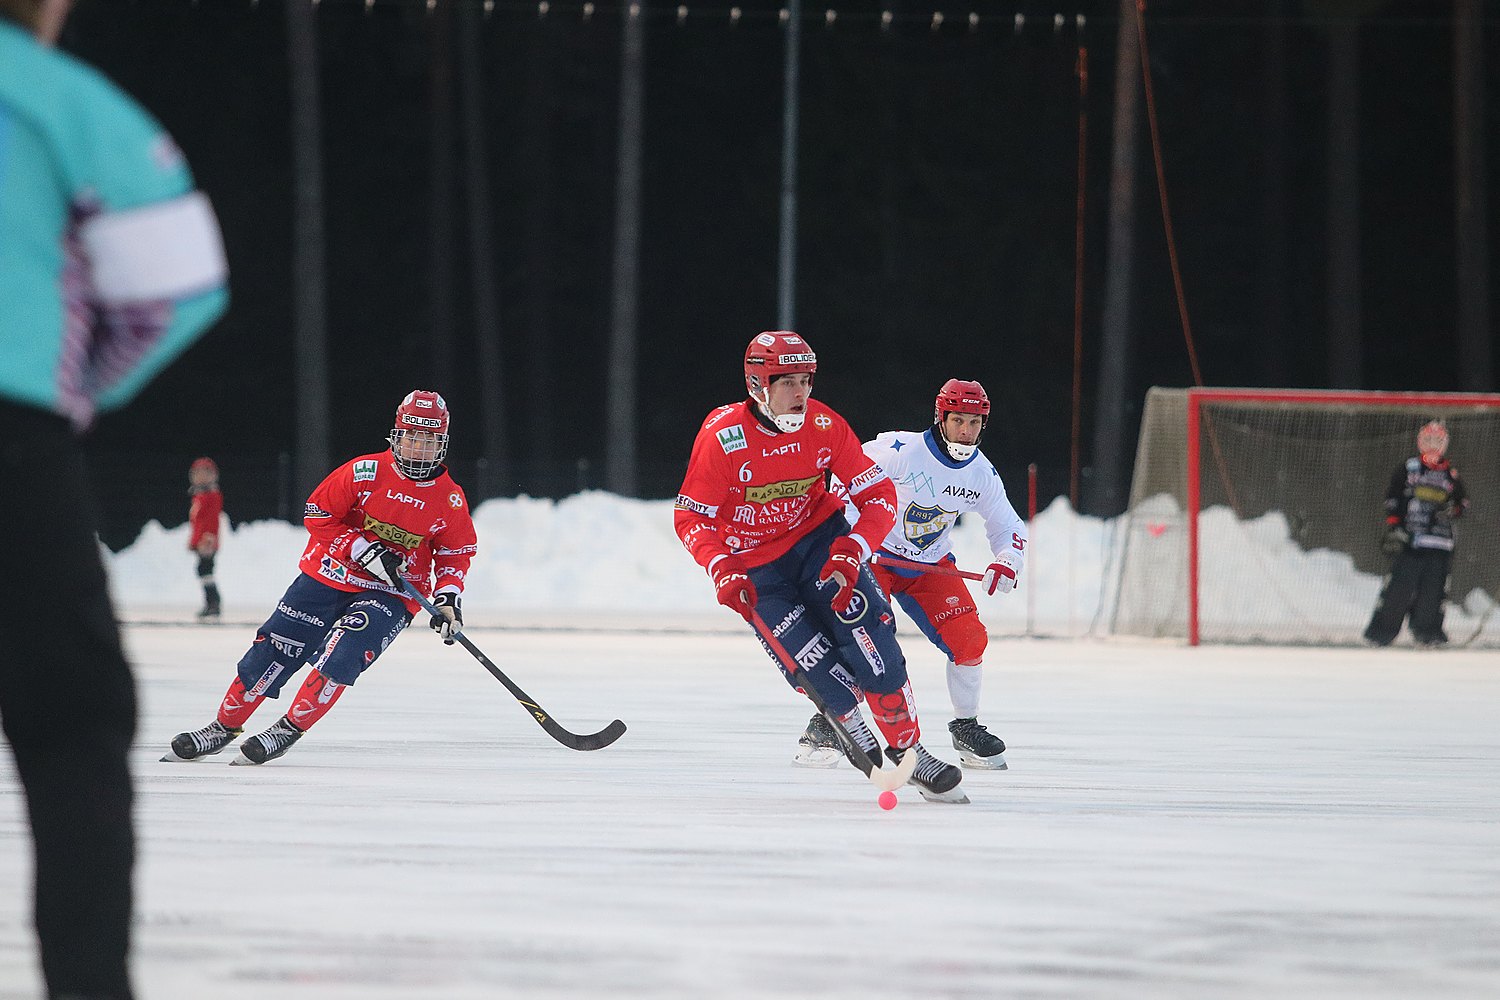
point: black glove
(1395, 541)
(450, 622)
(378, 561)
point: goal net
(1257, 515)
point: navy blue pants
(842, 653)
(339, 633)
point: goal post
(1256, 514)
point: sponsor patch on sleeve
(732, 439)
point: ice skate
(205, 742)
(977, 747)
(937, 780)
(819, 745)
(209, 615)
(270, 744)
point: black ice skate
(205, 742)
(270, 744)
(209, 614)
(977, 747)
(819, 745)
(937, 780)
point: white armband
(167, 250)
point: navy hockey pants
(842, 653)
(339, 633)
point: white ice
(1176, 822)
(1197, 823)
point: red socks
(895, 716)
(314, 699)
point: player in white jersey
(939, 475)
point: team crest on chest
(924, 525)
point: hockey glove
(844, 559)
(450, 621)
(735, 589)
(1395, 541)
(1000, 577)
(378, 561)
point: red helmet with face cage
(421, 433)
(776, 352)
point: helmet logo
(766, 339)
(416, 421)
(797, 359)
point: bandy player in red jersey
(204, 511)
(755, 512)
(373, 522)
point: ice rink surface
(1219, 822)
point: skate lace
(928, 767)
(855, 724)
(208, 737)
(278, 735)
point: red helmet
(204, 465)
(419, 439)
(958, 396)
(776, 352)
(1432, 441)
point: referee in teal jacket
(111, 265)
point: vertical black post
(308, 277)
(620, 453)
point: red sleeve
(870, 490)
(704, 488)
(330, 502)
(453, 548)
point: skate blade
(953, 796)
(817, 757)
(172, 758)
(240, 760)
(978, 763)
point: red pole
(1193, 500)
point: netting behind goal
(1287, 487)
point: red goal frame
(1197, 397)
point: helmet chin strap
(787, 423)
(957, 452)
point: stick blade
(890, 780)
(587, 741)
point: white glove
(1000, 577)
(378, 561)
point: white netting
(1291, 517)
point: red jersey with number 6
(426, 521)
(755, 492)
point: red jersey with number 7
(425, 521)
(755, 492)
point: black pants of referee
(1418, 581)
(67, 702)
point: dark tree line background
(937, 194)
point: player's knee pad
(966, 639)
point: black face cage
(417, 468)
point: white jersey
(932, 490)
